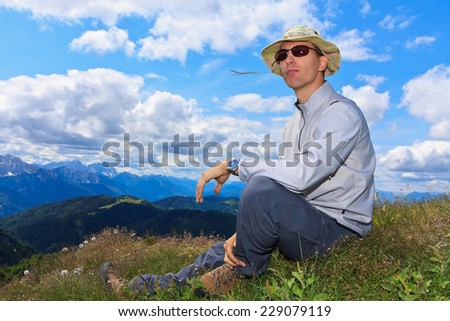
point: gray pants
(269, 216)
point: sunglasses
(297, 51)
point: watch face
(232, 165)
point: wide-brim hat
(303, 33)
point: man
(319, 190)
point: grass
(124, 199)
(405, 257)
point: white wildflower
(26, 272)
(78, 271)
(64, 273)
(65, 249)
(81, 245)
(86, 242)
(93, 239)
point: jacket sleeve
(334, 137)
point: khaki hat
(303, 33)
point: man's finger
(199, 191)
(234, 261)
(217, 188)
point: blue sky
(76, 76)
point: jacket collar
(317, 100)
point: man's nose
(289, 57)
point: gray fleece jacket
(328, 158)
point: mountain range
(24, 185)
(59, 204)
(50, 227)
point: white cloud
(224, 28)
(425, 164)
(420, 41)
(73, 115)
(59, 116)
(178, 27)
(102, 41)
(152, 75)
(108, 11)
(426, 97)
(428, 156)
(353, 46)
(254, 103)
(365, 7)
(372, 80)
(75, 108)
(372, 103)
(391, 22)
(163, 115)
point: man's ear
(323, 63)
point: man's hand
(230, 259)
(219, 173)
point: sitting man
(319, 190)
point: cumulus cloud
(102, 41)
(372, 103)
(428, 156)
(427, 162)
(353, 45)
(420, 41)
(108, 11)
(167, 118)
(177, 27)
(254, 103)
(74, 114)
(426, 97)
(164, 114)
(223, 27)
(77, 108)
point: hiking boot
(219, 280)
(109, 276)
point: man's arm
(336, 135)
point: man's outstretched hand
(219, 173)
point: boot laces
(223, 276)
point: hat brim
(329, 49)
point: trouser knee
(259, 189)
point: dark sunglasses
(297, 51)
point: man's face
(302, 72)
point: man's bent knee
(260, 187)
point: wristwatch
(232, 166)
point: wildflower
(65, 249)
(64, 273)
(86, 242)
(26, 272)
(78, 271)
(116, 231)
(93, 239)
(81, 245)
